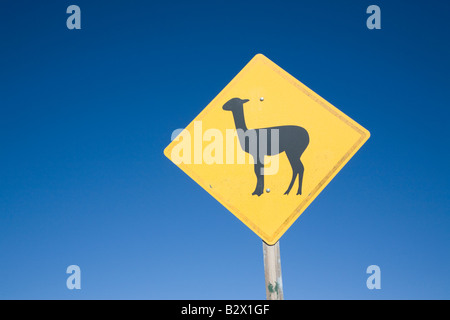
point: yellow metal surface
(333, 139)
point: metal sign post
(307, 139)
(272, 271)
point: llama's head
(234, 104)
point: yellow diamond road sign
(265, 147)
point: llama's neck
(239, 119)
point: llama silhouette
(293, 140)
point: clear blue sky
(85, 116)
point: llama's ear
(245, 100)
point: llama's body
(292, 140)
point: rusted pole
(272, 271)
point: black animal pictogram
(293, 140)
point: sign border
(364, 136)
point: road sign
(266, 146)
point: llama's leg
(259, 190)
(296, 165)
(300, 177)
(294, 175)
